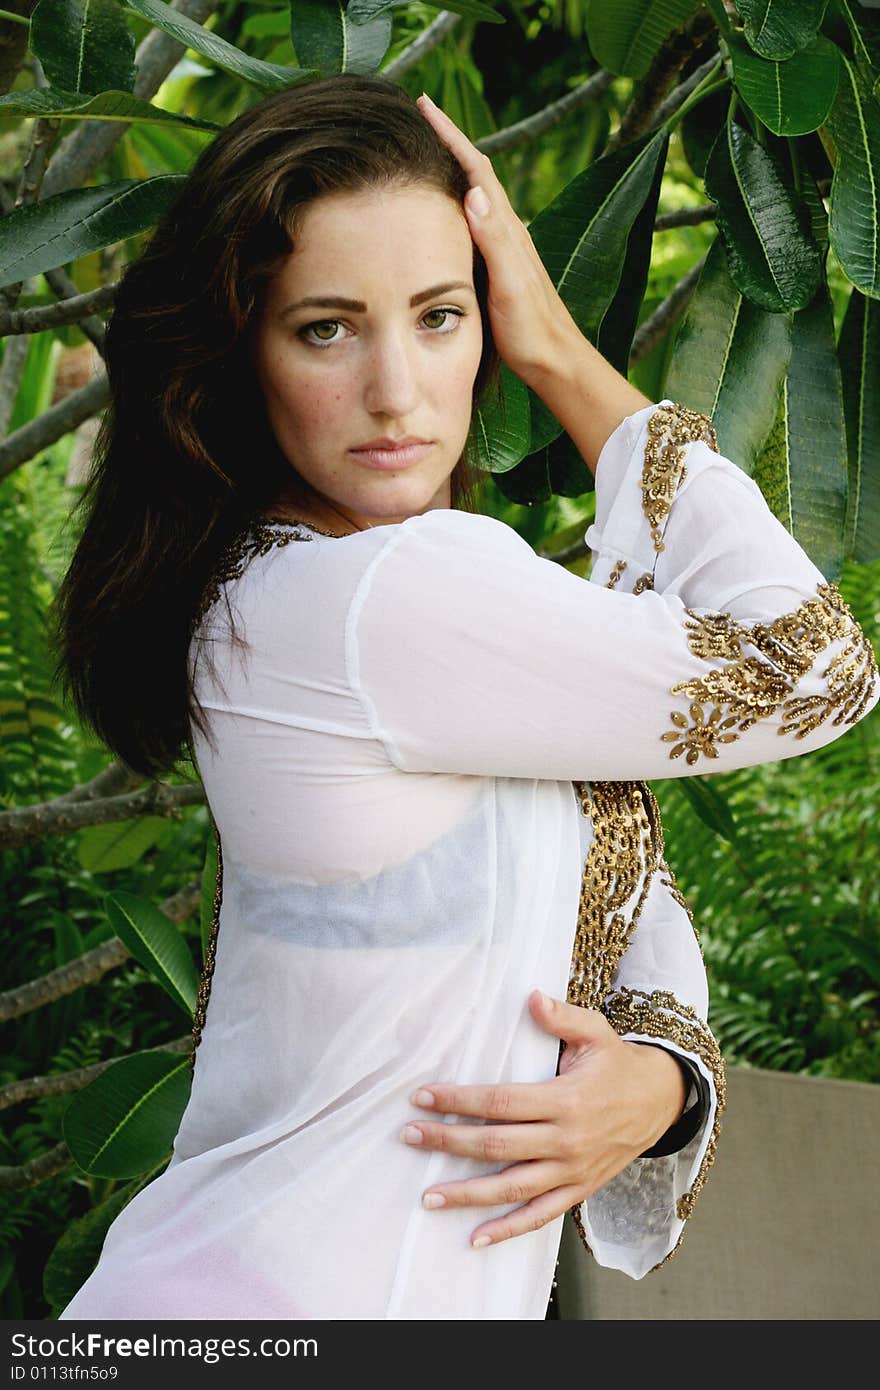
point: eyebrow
(357, 306)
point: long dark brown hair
(184, 455)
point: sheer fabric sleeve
(705, 639)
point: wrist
(667, 1084)
(588, 396)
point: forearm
(587, 395)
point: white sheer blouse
(427, 784)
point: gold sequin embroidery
(626, 851)
(207, 971)
(748, 688)
(617, 571)
(664, 469)
(254, 539)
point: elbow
(811, 673)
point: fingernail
(411, 1134)
(433, 1199)
(546, 1001)
(425, 97)
(477, 201)
(481, 1240)
(422, 1098)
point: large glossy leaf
(582, 238)
(84, 45)
(615, 334)
(106, 106)
(858, 348)
(500, 428)
(791, 97)
(154, 940)
(324, 37)
(362, 11)
(699, 129)
(779, 28)
(772, 256)
(626, 35)
(119, 844)
(802, 468)
(730, 361)
(854, 126)
(125, 1121)
(863, 25)
(270, 77)
(709, 805)
(40, 236)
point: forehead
(407, 233)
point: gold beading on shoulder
(258, 538)
(745, 688)
(664, 469)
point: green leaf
(779, 28)
(154, 941)
(106, 106)
(269, 76)
(626, 35)
(84, 45)
(41, 236)
(529, 484)
(76, 1253)
(802, 468)
(854, 127)
(582, 238)
(709, 805)
(729, 362)
(858, 347)
(772, 256)
(500, 429)
(119, 844)
(325, 38)
(791, 97)
(362, 11)
(615, 335)
(125, 1121)
(863, 26)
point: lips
(382, 457)
(386, 443)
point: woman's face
(398, 358)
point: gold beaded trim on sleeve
(664, 468)
(626, 850)
(748, 688)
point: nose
(392, 376)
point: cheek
(311, 400)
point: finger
(493, 1143)
(514, 1100)
(477, 165)
(530, 1217)
(518, 1183)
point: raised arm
(706, 639)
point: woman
(415, 735)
